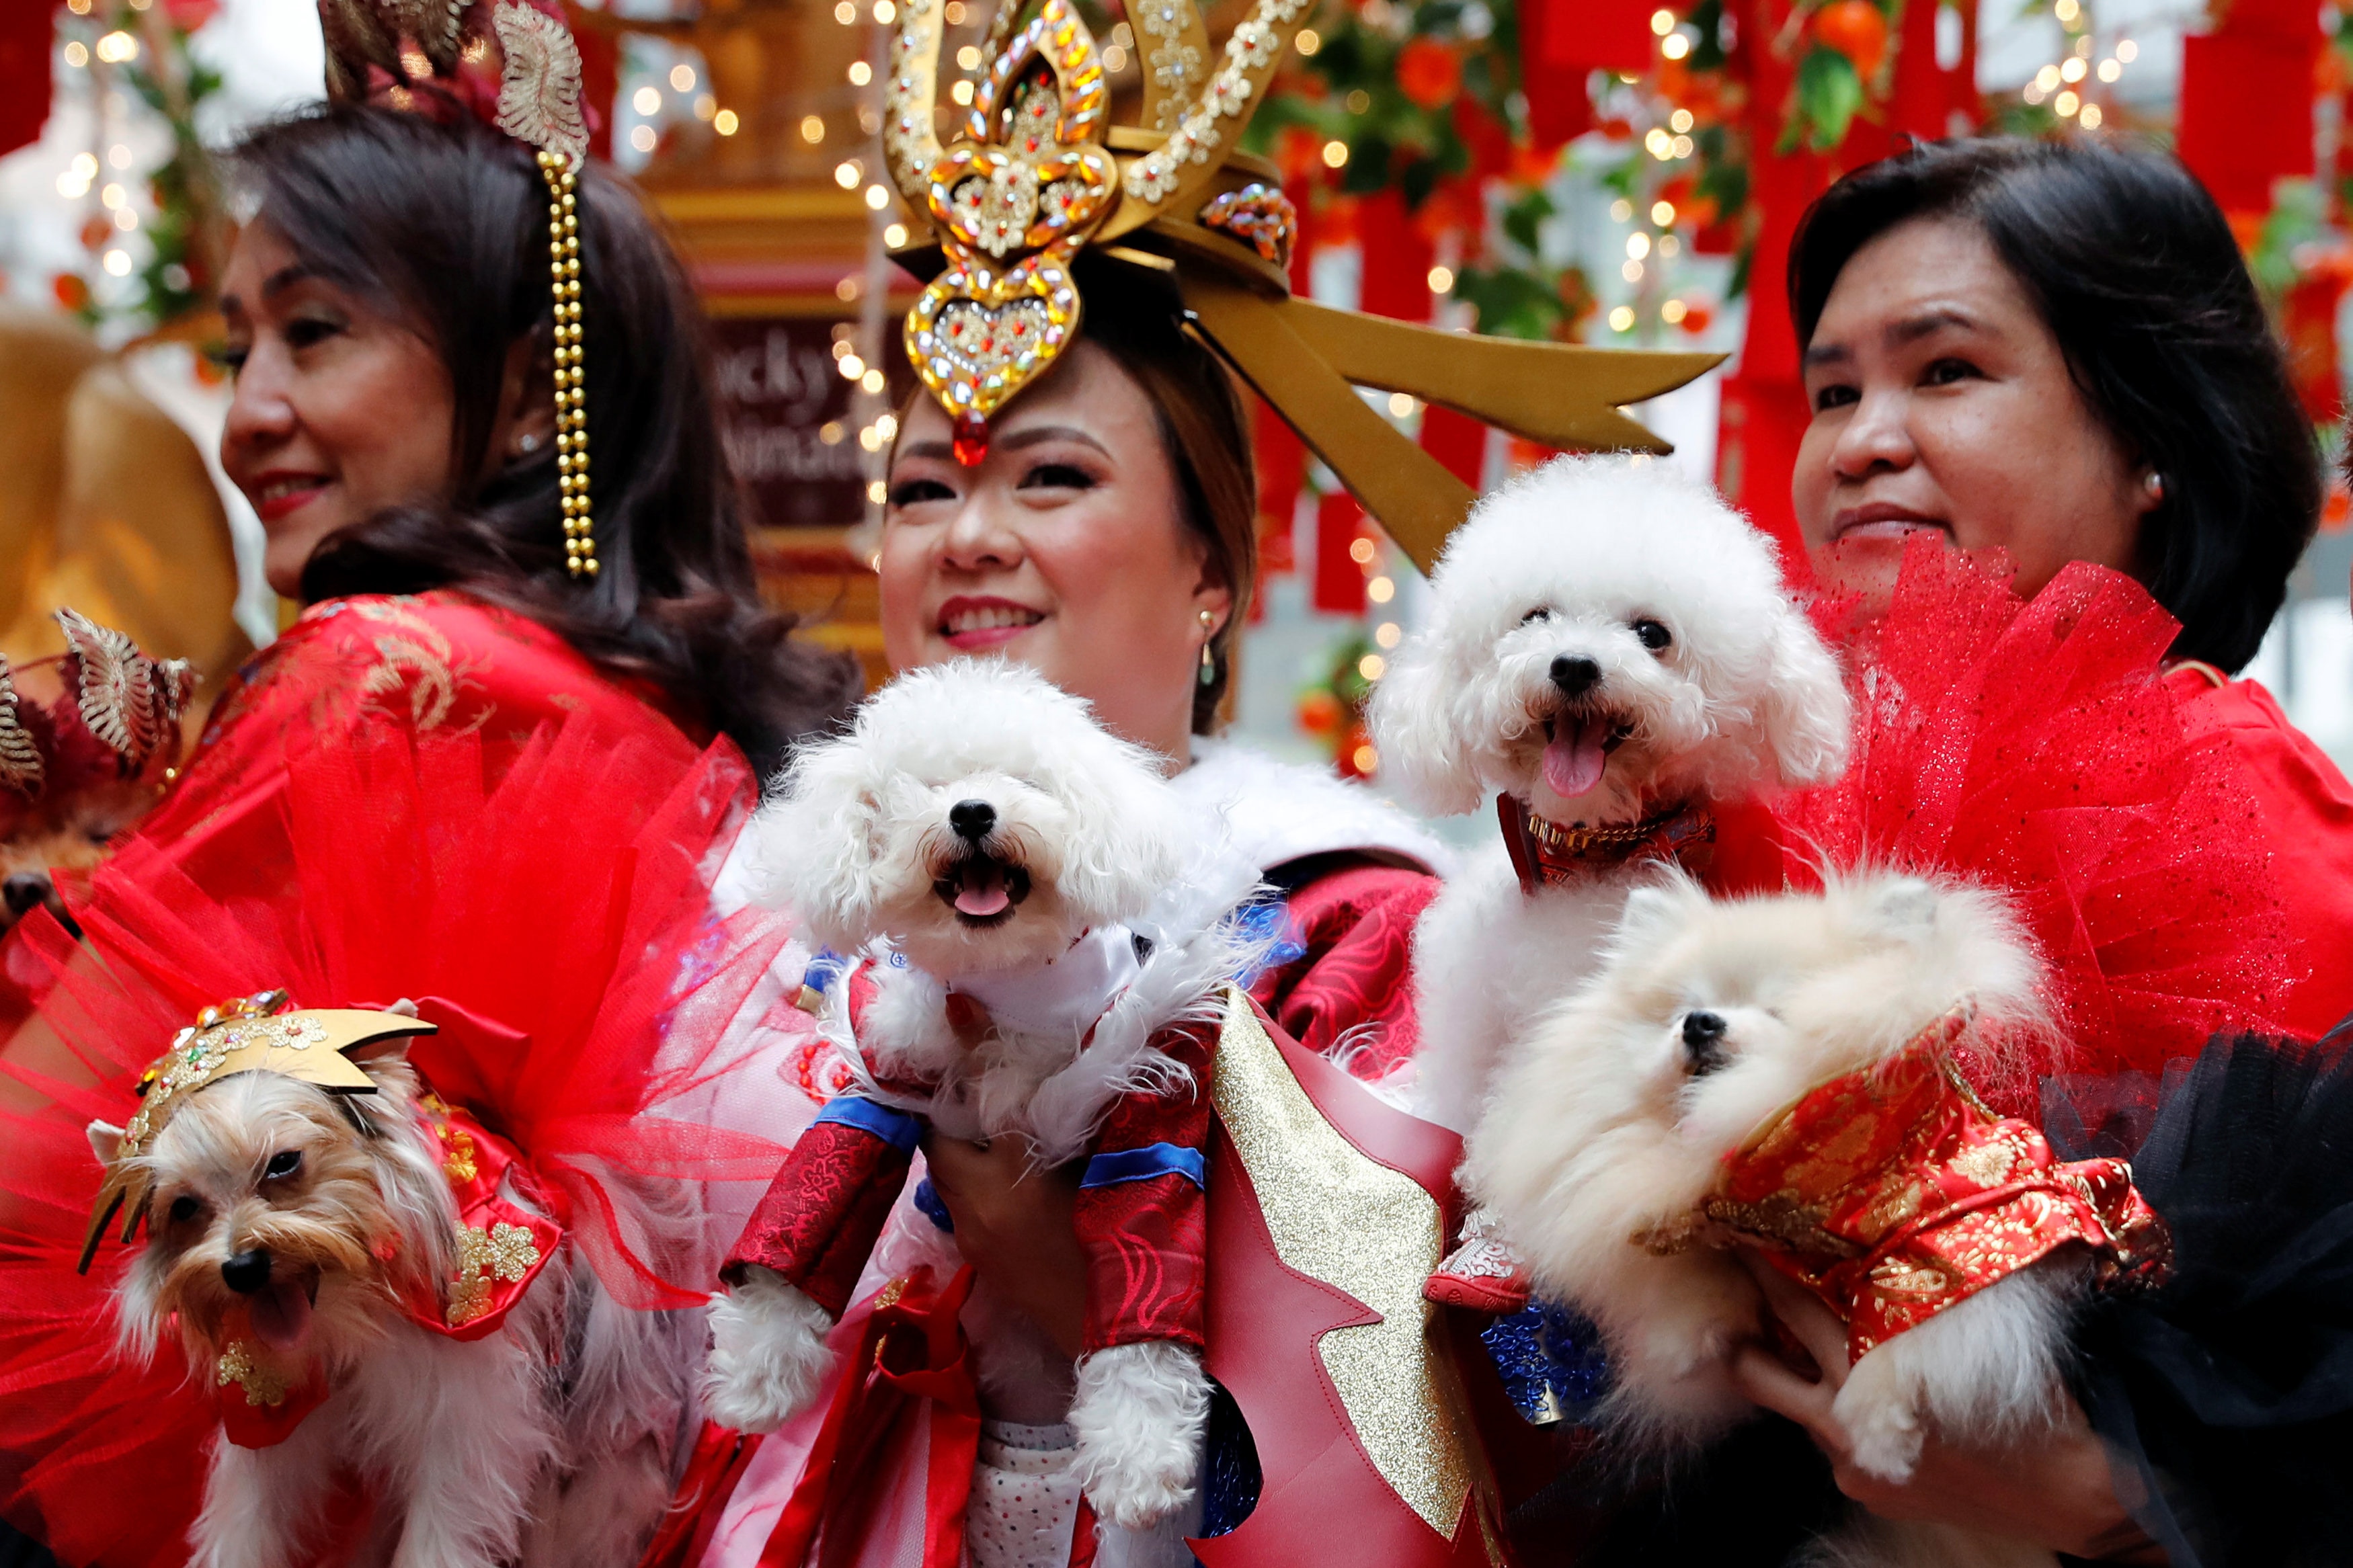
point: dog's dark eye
(184, 1209)
(1541, 613)
(1654, 636)
(285, 1162)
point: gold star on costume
(1038, 177)
(1339, 1217)
(251, 1034)
(503, 1252)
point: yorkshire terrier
(307, 1251)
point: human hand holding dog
(2056, 1490)
(1013, 1225)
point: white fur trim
(1276, 812)
(1140, 1415)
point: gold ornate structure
(1039, 174)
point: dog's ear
(105, 1140)
(1807, 716)
(1655, 911)
(1413, 734)
(1905, 907)
(816, 847)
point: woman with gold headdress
(1072, 490)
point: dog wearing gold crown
(368, 1283)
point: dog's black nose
(25, 891)
(972, 819)
(247, 1272)
(1704, 1034)
(1575, 676)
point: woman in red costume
(2051, 355)
(1108, 539)
(418, 394)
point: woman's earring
(1209, 660)
(526, 443)
(2154, 483)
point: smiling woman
(2054, 352)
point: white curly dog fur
(977, 828)
(1606, 640)
(1611, 1119)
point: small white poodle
(1611, 651)
(1034, 914)
(1602, 1159)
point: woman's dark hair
(2135, 273)
(1204, 430)
(443, 226)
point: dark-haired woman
(399, 352)
(394, 423)
(2054, 351)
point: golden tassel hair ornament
(1039, 174)
(439, 58)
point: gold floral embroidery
(261, 1386)
(503, 1252)
(414, 658)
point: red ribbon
(912, 1350)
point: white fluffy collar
(1276, 812)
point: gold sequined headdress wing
(251, 1034)
(516, 65)
(1039, 174)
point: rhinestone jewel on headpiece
(1038, 177)
(516, 65)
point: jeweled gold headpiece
(1039, 174)
(251, 1034)
(516, 65)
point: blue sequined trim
(1551, 1362)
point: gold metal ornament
(562, 174)
(1012, 206)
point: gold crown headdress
(516, 65)
(251, 1034)
(1039, 174)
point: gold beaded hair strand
(563, 177)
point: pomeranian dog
(1608, 1157)
(300, 1236)
(1032, 908)
(1611, 652)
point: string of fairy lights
(2066, 83)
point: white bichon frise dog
(1604, 1153)
(1036, 915)
(1610, 651)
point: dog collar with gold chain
(1547, 854)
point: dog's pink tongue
(983, 893)
(281, 1316)
(1574, 757)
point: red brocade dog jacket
(1141, 1217)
